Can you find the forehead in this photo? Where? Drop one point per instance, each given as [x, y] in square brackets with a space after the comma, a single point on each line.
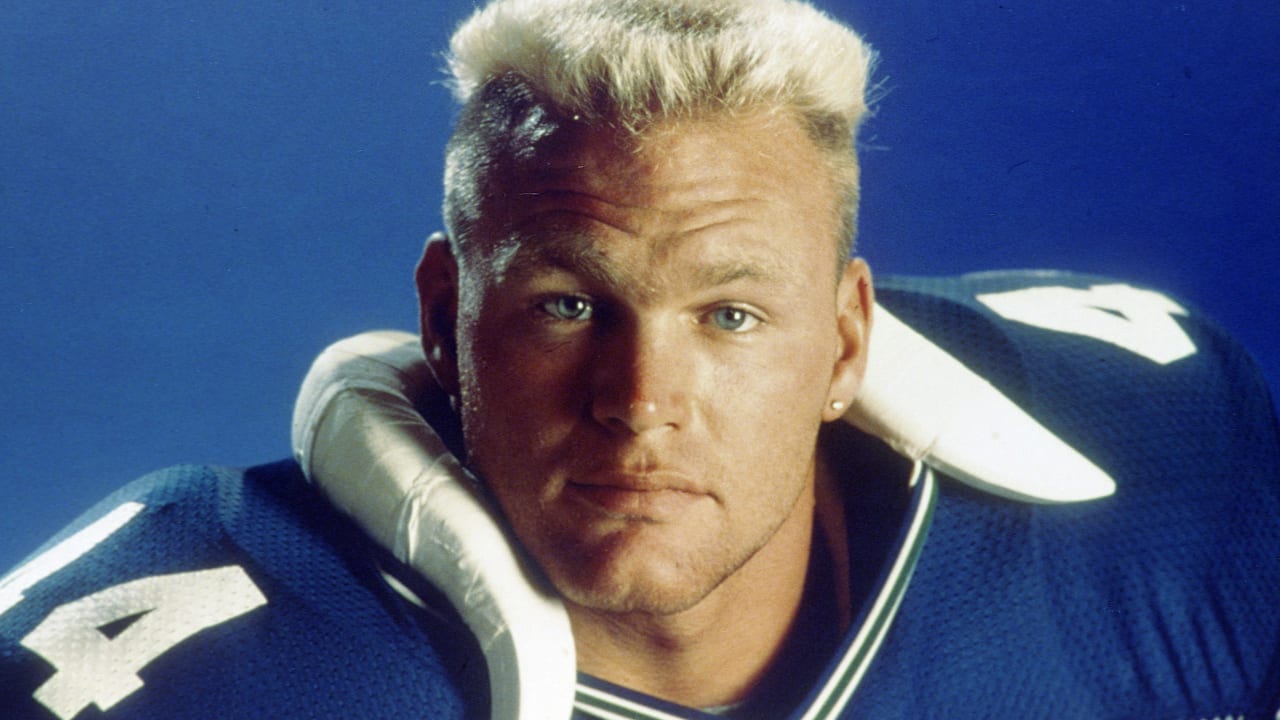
[730, 190]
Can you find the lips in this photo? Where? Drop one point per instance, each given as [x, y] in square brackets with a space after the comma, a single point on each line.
[648, 496]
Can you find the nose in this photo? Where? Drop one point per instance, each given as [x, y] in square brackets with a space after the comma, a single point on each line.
[642, 379]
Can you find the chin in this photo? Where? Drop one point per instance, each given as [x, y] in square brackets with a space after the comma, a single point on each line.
[622, 578]
[632, 598]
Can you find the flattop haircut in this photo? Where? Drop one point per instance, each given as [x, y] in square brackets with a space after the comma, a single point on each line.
[629, 64]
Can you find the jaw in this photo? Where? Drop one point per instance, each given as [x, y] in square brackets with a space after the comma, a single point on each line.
[655, 635]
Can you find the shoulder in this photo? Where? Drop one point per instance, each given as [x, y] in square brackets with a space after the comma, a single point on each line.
[1033, 321]
[196, 585]
[1129, 376]
[1157, 601]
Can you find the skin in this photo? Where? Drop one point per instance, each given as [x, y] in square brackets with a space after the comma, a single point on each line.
[644, 340]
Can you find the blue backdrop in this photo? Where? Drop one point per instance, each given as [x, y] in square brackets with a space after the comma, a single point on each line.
[195, 198]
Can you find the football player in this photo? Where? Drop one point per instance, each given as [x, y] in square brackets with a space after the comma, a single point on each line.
[661, 451]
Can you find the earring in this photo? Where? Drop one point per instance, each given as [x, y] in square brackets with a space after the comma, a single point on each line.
[837, 405]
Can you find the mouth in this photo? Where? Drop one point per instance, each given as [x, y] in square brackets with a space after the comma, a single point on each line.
[650, 496]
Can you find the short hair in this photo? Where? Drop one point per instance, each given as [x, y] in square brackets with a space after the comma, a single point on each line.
[629, 64]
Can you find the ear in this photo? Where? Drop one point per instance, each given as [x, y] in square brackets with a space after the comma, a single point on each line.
[437, 281]
[854, 301]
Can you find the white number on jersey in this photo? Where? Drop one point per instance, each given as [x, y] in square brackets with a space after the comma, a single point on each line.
[1140, 321]
[94, 668]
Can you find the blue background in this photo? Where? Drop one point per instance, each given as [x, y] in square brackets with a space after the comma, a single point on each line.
[195, 198]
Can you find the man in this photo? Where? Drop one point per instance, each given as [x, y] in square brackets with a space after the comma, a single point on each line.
[655, 281]
[644, 322]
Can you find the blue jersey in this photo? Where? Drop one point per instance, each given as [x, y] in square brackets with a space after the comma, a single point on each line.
[199, 592]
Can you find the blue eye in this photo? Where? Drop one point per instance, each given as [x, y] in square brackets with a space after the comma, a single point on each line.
[733, 319]
[568, 307]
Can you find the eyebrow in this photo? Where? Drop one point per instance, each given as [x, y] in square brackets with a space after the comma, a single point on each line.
[575, 253]
[568, 251]
[730, 272]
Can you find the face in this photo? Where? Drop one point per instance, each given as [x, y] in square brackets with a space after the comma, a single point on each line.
[648, 336]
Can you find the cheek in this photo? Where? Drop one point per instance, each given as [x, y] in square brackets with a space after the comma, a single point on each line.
[766, 412]
[788, 377]
[514, 397]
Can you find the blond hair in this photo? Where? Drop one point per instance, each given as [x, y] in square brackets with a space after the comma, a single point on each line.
[632, 63]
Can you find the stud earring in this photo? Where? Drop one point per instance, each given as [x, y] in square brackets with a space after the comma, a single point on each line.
[837, 405]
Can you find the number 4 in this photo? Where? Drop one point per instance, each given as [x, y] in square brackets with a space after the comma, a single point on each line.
[94, 668]
[1140, 321]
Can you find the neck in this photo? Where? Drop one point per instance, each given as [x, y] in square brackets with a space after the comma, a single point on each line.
[715, 652]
